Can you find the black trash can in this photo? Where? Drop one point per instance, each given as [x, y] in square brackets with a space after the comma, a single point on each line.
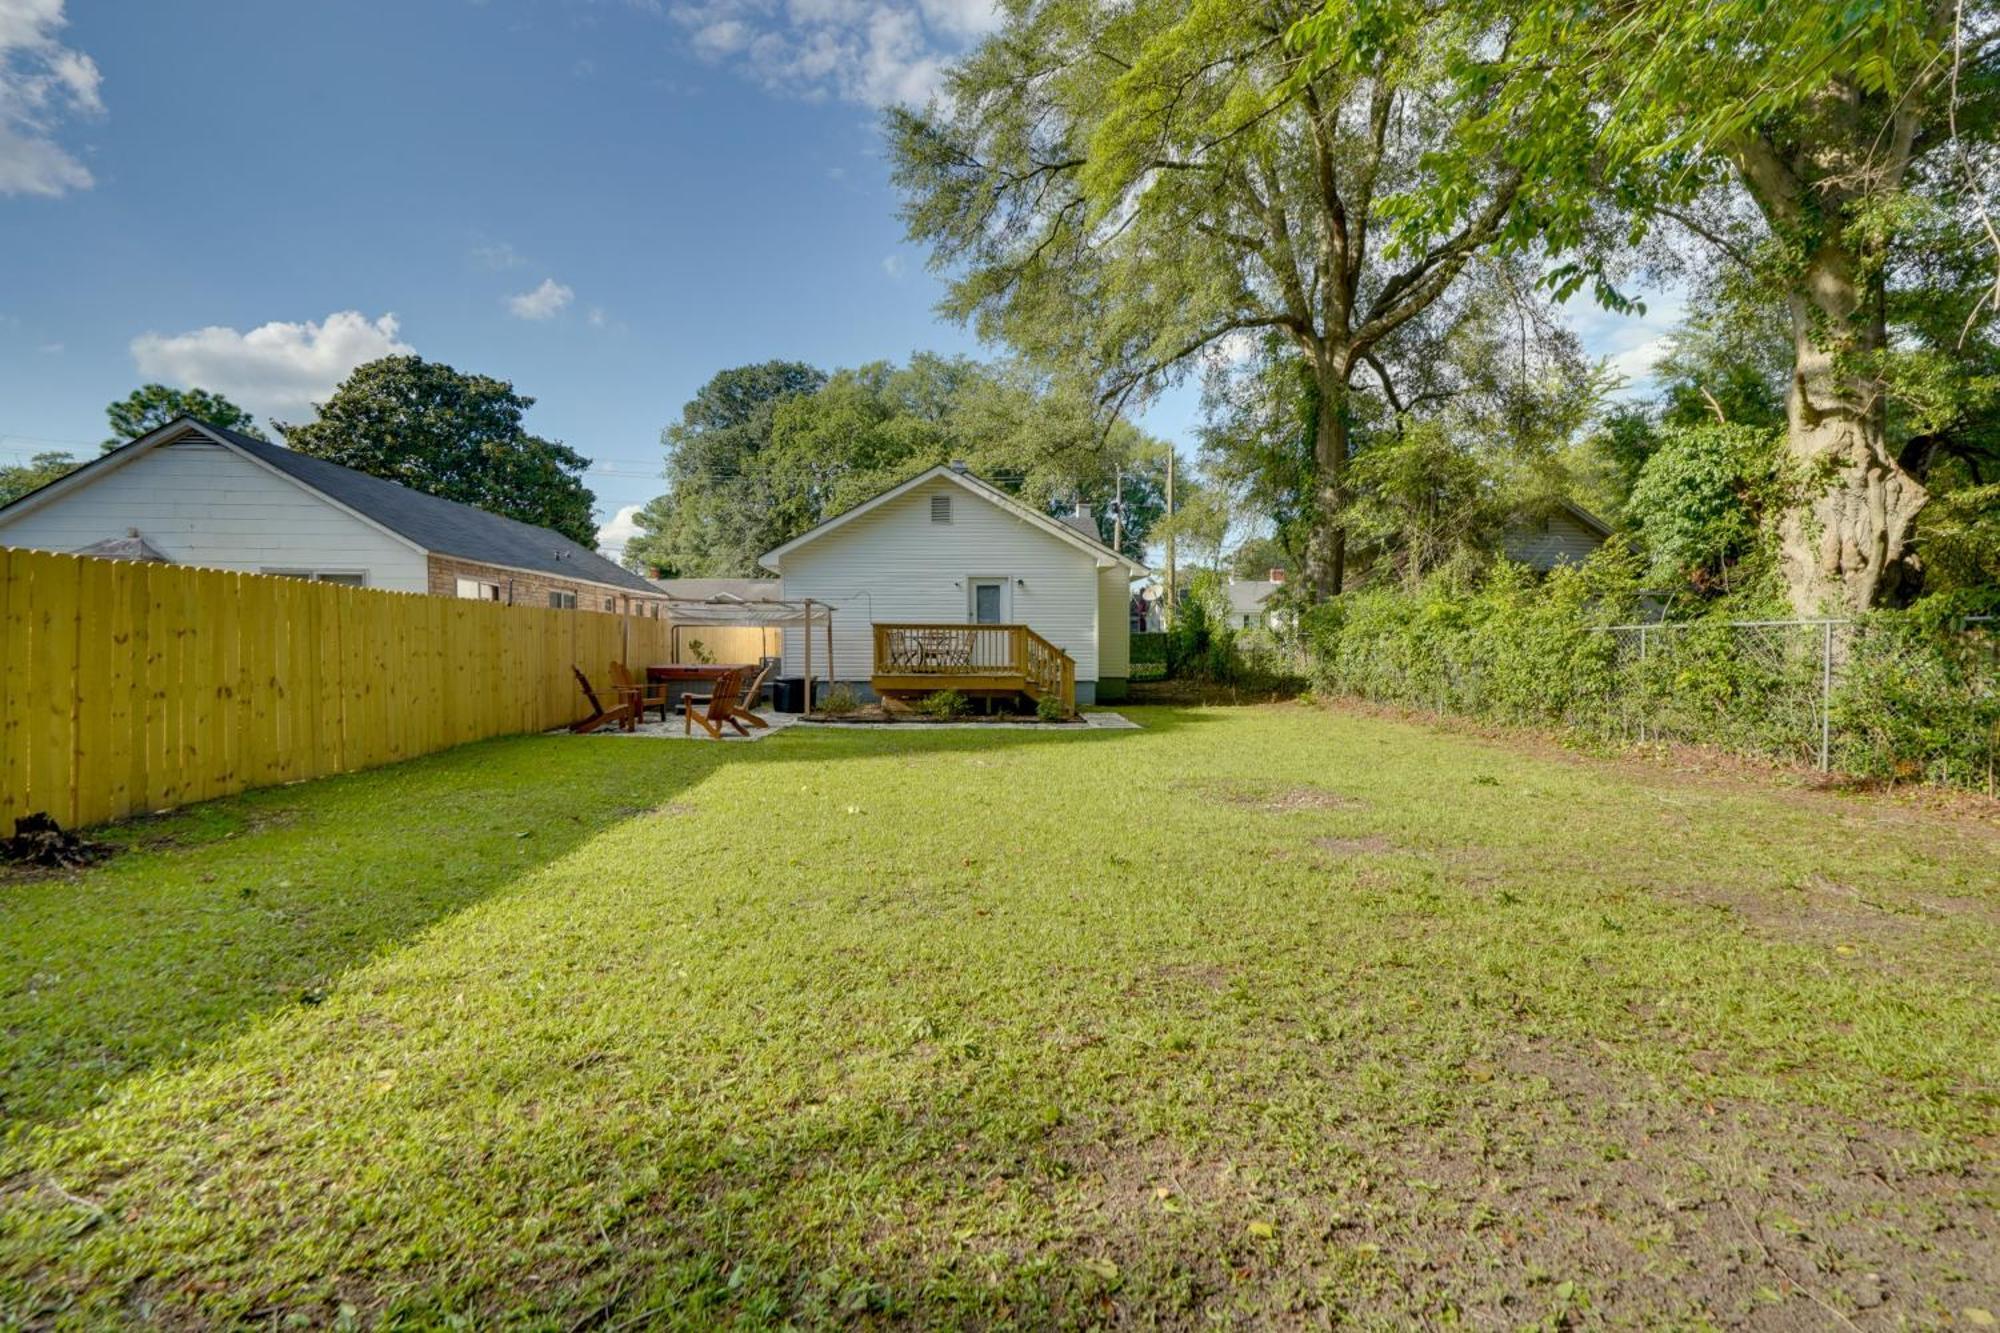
[788, 694]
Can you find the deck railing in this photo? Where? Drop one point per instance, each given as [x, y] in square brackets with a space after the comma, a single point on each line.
[979, 656]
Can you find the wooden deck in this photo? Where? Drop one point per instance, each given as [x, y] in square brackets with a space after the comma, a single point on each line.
[991, 660]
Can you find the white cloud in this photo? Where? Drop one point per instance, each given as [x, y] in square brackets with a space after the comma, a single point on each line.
[893, 266]
[622, 528]
[42, 84]
[874, 52]
[541, 303]
[598, 319]
[1629, 345]
[497, 254]
[275, 369]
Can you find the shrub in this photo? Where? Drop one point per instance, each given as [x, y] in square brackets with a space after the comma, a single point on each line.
[839, 699]
[944, 704]
[1916, 694]
[1049, 709]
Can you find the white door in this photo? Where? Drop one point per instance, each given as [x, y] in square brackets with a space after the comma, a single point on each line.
[988, 598]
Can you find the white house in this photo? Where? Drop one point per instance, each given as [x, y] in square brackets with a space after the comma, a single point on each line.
[946, 548]
[194, 494]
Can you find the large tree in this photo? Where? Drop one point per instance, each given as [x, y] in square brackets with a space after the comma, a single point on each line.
[1863, 136]
[1137, 189]
[765, 452]
[715, 519]
[151, 406]
[450, 434]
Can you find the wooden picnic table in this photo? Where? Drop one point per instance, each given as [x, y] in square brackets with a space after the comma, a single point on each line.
[706, 673]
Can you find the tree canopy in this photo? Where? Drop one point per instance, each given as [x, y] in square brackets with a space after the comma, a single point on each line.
[151, 406]
[766, 452]
[18, 479]
[450, 434]
[1140, 191]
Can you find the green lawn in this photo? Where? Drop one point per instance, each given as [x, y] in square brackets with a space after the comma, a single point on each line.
[1255, 1015]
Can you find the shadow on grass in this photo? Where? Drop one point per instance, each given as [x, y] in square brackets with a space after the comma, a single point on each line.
[216, 914]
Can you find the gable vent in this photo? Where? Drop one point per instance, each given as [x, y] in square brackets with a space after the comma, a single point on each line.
[940, 509]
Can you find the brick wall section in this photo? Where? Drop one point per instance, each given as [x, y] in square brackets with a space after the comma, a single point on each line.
[522, 589]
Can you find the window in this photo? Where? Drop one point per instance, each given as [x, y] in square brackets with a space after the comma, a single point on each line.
[352, 578]
[478, 590]
[611, 604]
[563, 601]
[940, 509]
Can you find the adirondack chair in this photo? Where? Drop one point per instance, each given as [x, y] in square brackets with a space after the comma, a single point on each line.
[745, 706]
[640, 694]
[717, 709]
[600, 716]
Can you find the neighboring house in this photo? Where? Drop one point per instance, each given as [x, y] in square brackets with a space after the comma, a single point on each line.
[1249, 603]
[194, 494]
[1566, 534]
[945, 547]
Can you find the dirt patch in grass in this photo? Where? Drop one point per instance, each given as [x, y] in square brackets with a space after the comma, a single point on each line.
[1282, 800]
[1584, 1197]
[1824, 912]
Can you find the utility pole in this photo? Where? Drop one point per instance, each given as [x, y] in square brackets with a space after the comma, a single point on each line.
[1118, 510]
[1170, 537]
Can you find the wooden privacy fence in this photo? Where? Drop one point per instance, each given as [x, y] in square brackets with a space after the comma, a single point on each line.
[128, 687]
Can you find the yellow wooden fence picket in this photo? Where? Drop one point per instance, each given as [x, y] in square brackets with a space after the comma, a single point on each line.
[127, 687]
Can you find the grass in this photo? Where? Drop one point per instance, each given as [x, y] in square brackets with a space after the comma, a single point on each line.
[1255, 1015]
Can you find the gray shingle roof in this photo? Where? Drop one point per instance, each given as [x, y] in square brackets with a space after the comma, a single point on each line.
[443, 527]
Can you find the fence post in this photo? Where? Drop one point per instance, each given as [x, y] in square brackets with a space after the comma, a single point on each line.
[1643, 705]
[1826, 697]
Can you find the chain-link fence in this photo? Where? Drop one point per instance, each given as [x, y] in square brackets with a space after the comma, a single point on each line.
[1897, 695]
[1895, 700]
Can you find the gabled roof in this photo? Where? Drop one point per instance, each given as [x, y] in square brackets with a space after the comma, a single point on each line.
[1104, 556]
[132, 546]
[426, 522]
[1247, 596]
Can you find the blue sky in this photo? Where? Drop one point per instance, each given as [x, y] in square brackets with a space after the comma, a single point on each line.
[605, 201]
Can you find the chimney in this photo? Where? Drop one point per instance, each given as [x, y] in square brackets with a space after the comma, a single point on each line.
[1277, 575]
[958, 466]
[1083, 511]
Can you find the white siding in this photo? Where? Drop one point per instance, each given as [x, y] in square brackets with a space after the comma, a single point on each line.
[894, 564]
[1114, 623]
[1561, 540]
[202, 504]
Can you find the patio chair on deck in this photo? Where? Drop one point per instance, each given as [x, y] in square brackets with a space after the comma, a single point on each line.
[600, 716]
[640, 694]
[713, 711]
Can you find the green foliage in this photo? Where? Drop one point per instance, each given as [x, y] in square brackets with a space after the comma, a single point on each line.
[1916, 694]
[766, 452]
[1050, 709]
[1150, 646]
[1201, 643]
[37, 472]
[715, 519]
[1698, 499]
[838, 700]
[151, 406]
[454, 435]
[943, 705]
[1140, 192]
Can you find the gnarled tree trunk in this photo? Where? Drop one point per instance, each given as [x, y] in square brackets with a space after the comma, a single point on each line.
[1845, 545]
